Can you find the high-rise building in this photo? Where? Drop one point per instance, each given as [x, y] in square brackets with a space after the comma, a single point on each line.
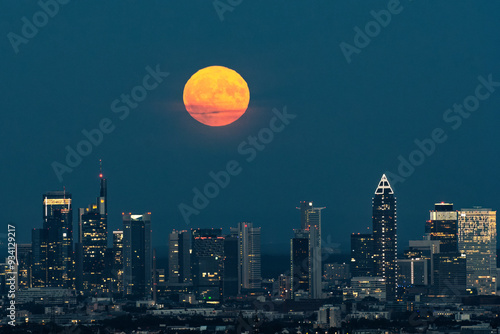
[449, 275]
[137, 255]
[443, 226]
[39, 256]
[93, 241]
[448, 265]
[385, 243]
[117, 267]
[310, 219]
[232, 268]
[361, 254]
[57, 241]
[179, 261]
[477, 235]
[173, 257]
[24, 266]
[300, 264]
[208, 264]
[249, 265]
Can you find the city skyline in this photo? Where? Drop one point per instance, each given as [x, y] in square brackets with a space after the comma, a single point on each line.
[161, 241]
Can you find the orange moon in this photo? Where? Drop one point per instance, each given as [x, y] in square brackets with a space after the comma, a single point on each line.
[216, 96]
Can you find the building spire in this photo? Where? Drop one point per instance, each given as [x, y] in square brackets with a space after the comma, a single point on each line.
[104, 190]
[384, 187]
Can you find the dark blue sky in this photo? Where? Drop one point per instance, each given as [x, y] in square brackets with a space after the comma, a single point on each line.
[352, 121]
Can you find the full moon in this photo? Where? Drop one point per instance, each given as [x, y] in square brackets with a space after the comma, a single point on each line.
[216, 96]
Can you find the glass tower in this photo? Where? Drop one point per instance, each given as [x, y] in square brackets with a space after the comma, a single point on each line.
[477, 235]
[385, 244]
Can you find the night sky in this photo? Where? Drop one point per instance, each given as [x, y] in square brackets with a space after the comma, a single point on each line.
[352, 120]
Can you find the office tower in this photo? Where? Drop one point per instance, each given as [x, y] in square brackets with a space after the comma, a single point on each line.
[300, 264]
[449, 275]
[207, 264]
[232, 267]
[137, 255]
[117, 271]
[179, 261]
[310, 219]
[477, 235]
[173, 257]
[58, 239]
[385, 244]
[448, 266]
[249, 267]
[443, 226]
[92, 242]
[361, 254]
[24, 266]
[39, 255]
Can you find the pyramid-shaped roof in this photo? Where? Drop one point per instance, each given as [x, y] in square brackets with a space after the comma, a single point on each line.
[384, 187]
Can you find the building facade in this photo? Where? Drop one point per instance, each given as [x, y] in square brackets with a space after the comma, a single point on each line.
[310, 220]
[52, 245]
[385, 244]
[249, 263]
[207, 264]
[477, 234]
[362, 263]
[137, 255]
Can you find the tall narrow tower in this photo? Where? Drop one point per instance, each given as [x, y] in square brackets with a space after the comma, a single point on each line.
[58, 223]
[137, 255]
[249, 266]
[310, 219]
[92, 242]
[385, 244]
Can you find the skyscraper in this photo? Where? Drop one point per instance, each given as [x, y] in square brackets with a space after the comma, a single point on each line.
[477, 235]
[93, 241]
[173, 257]
[449, 275]
[39, 254]
[24, 256]
[231, 279]
[117, 270]
[361, 255]
[448, 266]
[179, 262]
[310, 219]
[137, 255]
[58, 240]
[443, 226]
[208, 264]
[299, 255]
[385, 244]
[249, 266]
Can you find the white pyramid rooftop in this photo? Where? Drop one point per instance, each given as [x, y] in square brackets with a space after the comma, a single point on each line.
[384, 187]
